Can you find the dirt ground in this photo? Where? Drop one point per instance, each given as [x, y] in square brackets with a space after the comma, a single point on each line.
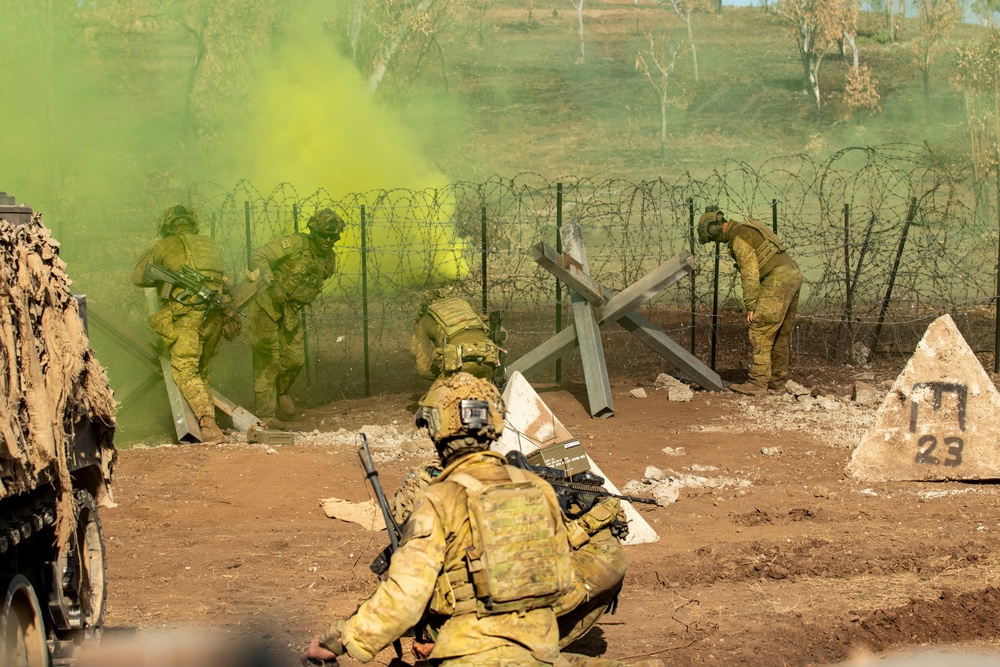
[781, 560]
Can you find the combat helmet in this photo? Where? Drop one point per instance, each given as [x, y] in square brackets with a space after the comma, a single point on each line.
[710, 225]
[175, 217]
[461, 412]
[326, 222]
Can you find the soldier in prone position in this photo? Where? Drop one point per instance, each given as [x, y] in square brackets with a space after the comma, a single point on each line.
[190, 330]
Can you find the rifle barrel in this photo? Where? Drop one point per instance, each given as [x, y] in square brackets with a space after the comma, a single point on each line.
[365, 454]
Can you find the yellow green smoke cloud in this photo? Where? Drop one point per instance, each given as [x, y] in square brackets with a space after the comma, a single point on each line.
[313, 123]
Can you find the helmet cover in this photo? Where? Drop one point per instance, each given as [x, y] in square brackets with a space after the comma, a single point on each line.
[326, 222]
[461, 405]
[175, 217]
[710, 225]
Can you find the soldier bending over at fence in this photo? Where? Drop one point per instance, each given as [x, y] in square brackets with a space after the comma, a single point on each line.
[771, 284]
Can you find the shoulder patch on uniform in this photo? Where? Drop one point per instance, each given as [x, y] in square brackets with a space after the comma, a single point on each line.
[420, 523]
[286, 243]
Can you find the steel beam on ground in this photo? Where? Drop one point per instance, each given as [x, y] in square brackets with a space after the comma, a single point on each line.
[588, 331]
[666, 347]
[185, 422]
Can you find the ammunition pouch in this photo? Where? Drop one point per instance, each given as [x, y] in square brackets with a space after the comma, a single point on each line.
[450, 358]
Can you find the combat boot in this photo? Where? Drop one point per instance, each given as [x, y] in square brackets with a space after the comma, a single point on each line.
[210, 431]
[749, 388]
[286, 407]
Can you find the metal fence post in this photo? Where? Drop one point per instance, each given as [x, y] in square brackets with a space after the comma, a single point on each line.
[847, 252]
[715, 307]
[303, 318]
[892, 276]
[996, 348]
[246, 218]
[483, 238]
[774, 215]
[559, 209]
[364, 296]
[694, 293]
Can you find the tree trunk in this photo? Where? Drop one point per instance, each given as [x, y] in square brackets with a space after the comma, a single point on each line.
[355, 14]
[814, 78]
[663, 123]
[849, 39]
[694, 51]
[579, 18]
[391, 51]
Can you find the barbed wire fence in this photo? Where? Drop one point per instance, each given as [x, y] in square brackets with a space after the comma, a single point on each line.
[860, 223]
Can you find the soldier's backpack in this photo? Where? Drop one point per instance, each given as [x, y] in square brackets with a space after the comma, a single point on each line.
[520, 559]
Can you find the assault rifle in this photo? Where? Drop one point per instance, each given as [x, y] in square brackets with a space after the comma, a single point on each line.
[577, 494]
[381, 562]
[195, 290]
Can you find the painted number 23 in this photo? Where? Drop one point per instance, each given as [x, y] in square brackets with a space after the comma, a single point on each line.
[928, 443]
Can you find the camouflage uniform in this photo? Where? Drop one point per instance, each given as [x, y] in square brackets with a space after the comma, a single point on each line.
[598, 565]
[449, 337]
[297, 268]
[771, 284]
[430, 572]
[189, 332]
[482, 557]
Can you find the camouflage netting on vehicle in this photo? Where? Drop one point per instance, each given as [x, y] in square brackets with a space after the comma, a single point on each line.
[50, 380]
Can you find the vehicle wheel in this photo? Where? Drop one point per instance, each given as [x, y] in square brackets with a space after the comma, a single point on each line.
[79, 584]
[23, 630]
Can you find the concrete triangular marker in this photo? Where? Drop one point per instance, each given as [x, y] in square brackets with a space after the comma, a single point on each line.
[939, 420]
[531, 424]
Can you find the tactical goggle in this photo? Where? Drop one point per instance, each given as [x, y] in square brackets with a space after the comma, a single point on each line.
[328, 236]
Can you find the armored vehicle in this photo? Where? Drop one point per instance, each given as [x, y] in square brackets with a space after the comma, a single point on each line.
[56, 453]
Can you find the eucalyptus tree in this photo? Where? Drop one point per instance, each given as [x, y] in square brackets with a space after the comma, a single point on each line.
[818, 26]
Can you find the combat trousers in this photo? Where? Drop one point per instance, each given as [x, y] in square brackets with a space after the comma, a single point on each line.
[599, 570]
[772, 326]
[278, 356]
[194, 343]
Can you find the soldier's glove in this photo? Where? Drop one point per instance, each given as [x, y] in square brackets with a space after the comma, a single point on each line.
[331, 639]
